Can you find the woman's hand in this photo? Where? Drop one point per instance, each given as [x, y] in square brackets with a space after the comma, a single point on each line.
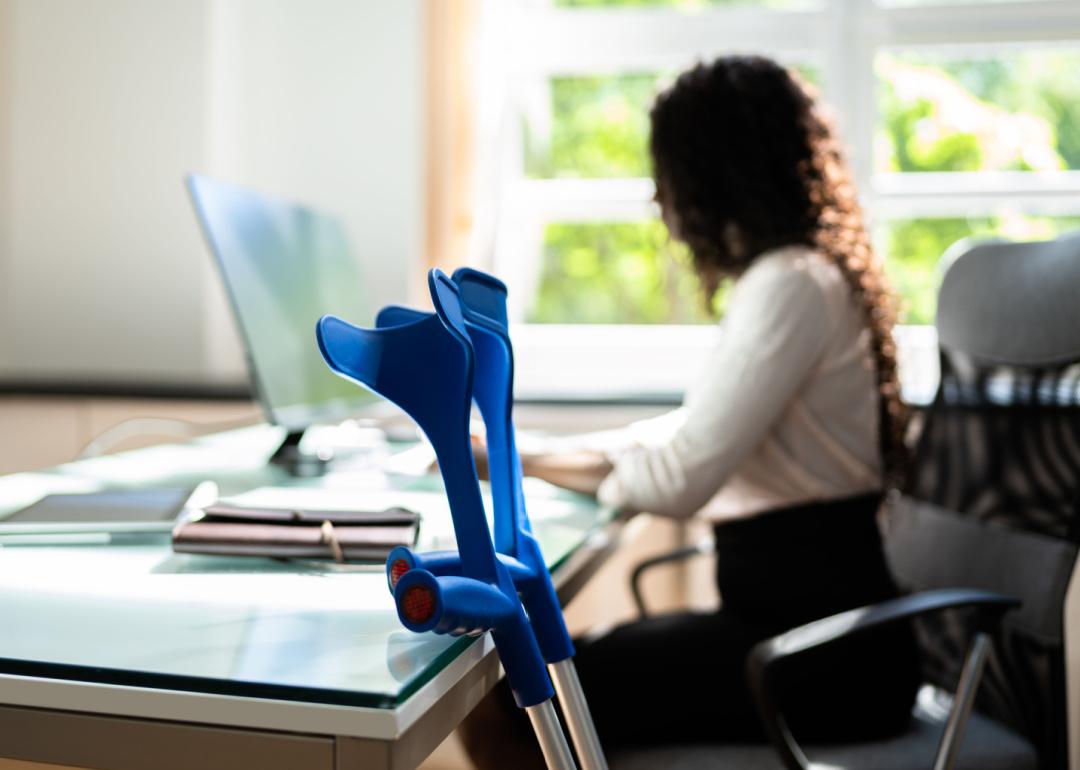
[480, 457]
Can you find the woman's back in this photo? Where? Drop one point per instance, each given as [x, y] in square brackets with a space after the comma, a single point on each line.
[784, 412]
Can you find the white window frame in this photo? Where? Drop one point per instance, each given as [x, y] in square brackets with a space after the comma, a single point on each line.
[842, 37]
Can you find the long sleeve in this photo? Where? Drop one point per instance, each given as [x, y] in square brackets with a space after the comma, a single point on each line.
[774, 333]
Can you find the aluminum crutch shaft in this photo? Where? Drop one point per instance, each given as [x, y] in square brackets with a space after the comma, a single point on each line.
[549, 734]
[578, 717]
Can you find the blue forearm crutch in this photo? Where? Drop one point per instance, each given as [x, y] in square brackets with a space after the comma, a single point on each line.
[426, 367]
[484, 306]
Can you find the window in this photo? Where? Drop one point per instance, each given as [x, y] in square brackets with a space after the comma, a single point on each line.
[972, 140]
[959, 124]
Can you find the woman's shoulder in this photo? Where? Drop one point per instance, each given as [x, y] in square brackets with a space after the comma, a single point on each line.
[795, 271]
[797, 284]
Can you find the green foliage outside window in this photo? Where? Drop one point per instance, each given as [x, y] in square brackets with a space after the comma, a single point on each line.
[621, 272]
[600, 128]
[1017, 112]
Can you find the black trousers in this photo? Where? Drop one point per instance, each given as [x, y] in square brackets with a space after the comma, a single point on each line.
[680, 678]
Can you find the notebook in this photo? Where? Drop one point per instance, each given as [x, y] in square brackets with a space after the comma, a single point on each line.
[297, 533]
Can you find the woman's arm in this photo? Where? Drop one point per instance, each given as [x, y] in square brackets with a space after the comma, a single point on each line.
[578, 471]
[579, 462]
[773, 335]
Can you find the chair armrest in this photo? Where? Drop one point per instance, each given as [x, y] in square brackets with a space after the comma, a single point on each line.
[844, 625]
[679, 554]
[762, 663]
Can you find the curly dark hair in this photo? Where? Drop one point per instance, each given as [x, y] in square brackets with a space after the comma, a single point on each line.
[744, 162]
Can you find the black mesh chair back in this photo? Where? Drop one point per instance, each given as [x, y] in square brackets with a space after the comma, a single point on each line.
[993, 497]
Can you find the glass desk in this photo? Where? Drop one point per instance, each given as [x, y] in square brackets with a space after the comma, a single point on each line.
[310, 649]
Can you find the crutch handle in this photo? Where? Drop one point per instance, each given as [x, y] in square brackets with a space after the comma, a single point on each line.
[403, 559]
[453, 605]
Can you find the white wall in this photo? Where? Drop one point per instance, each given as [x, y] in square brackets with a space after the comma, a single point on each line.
[5, 174]
[106, 104]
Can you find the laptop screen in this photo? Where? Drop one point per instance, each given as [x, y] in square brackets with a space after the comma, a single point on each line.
[284, 266]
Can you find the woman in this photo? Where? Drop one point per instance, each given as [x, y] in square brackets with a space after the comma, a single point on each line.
[785, 443]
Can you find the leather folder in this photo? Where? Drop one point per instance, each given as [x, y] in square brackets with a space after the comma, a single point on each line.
[288, 533]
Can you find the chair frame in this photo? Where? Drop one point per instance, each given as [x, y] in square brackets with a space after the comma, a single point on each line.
[766, 661]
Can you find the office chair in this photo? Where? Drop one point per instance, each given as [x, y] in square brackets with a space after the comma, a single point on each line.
[991, 505]
[997, 474]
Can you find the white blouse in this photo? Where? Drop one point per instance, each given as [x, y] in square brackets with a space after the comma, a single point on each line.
[785, 411]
